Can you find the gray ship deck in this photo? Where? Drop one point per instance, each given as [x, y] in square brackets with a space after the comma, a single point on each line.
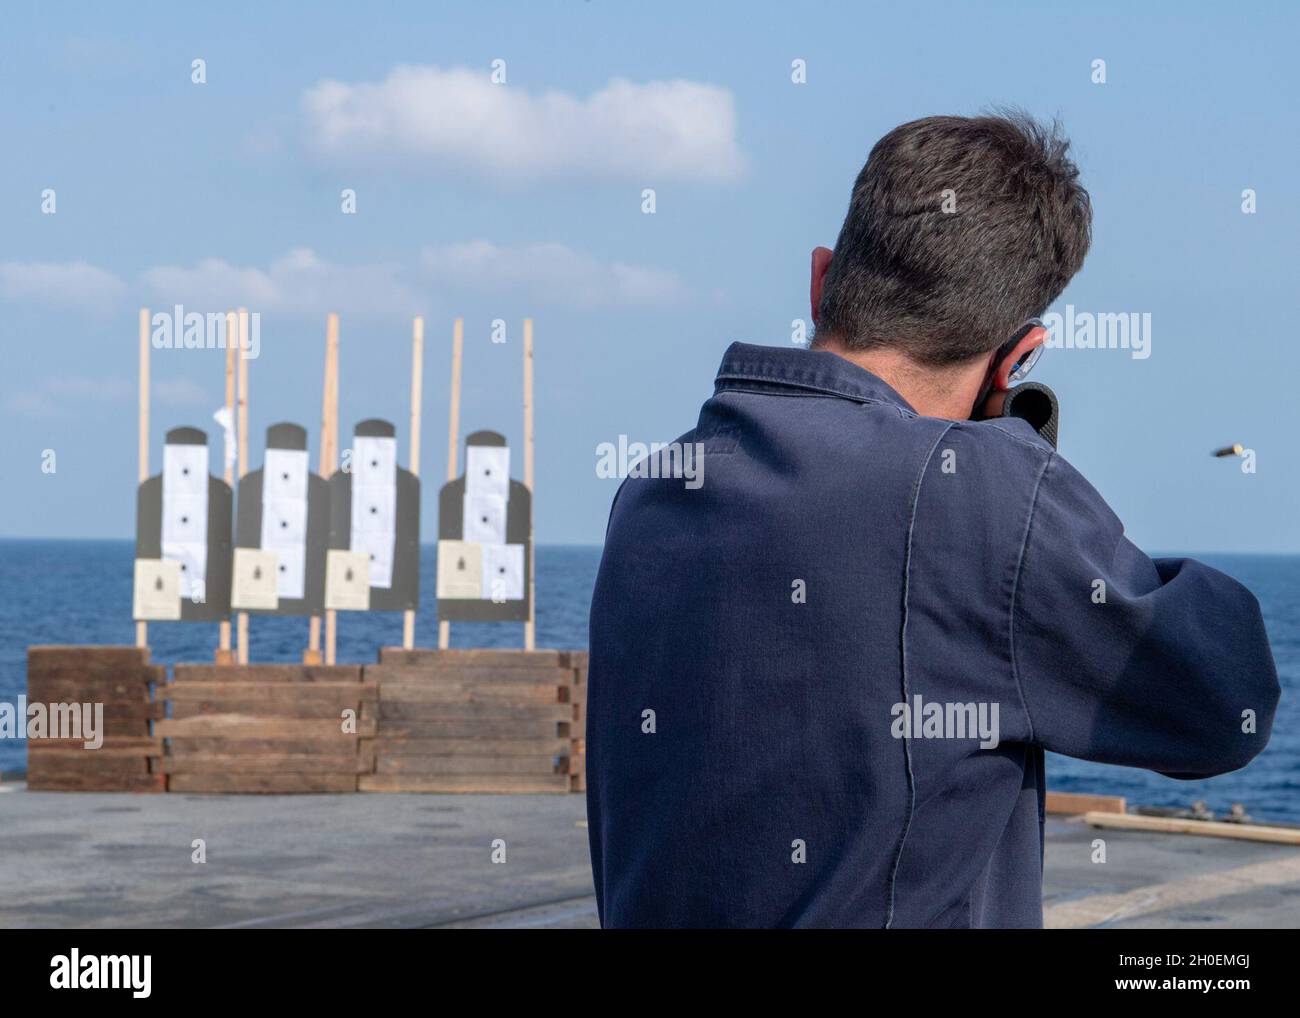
[118, 860]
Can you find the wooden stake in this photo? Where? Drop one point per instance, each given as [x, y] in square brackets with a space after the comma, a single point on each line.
[417, 386]
[329, 420]
[328, 454]
[453, 439]
[530, 627]
[142, 628]
[232, 335]
[241, 628]
[329, 460]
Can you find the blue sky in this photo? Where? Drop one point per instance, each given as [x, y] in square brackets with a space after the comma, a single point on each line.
[229, 191]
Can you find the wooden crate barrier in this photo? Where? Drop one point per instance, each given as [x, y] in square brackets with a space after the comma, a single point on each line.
[120, 679]
[265, 728]
[476, 721]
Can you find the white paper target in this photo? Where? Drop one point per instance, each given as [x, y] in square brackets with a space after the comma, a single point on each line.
[185, 470]
[284, 518]
[487, 470]
[503, 572]
[254, 583]
[484, 519]
[374, 505]
[284, 474]
[460, 570]
[346, 584]
[185, 515]
[157, 591]
[374, 461]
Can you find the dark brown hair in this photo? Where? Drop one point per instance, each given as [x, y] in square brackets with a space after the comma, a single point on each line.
[959, 228]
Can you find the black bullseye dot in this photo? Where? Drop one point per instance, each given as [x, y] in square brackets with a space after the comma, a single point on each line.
[284, 524]
[374, 510]
[282, 569]
[285, 476]
[484, 519]
[374, 463]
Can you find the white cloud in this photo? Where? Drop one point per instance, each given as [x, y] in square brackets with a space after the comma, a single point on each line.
[59, 283]
[300, 284]
[550, 274]
[55, 396]
[425, 116]
[181, 392]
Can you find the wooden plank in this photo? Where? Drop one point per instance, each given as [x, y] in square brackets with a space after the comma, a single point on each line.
[85, 782]
[381, 744]
[136, 712]
[469, 674]
[423, 657]
[255, 726]
[337, 744]
[86, 656]
[446, 691]
[266, 673]
[480, 765]
[1072, 803]
[71, 763]
[504, 784]
[1205, 828]
[114, 745]
[456, 711]
[267, 784]
[73, 691]
[94, 677]
[182, 709]
[470, 729]
[116, 727]
[262, 763]
[343, 694]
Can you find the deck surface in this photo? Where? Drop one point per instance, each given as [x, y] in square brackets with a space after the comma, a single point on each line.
[121, 860]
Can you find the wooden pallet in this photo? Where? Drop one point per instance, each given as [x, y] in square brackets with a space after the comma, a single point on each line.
[476, 721]
[120, 678]
[264, 728]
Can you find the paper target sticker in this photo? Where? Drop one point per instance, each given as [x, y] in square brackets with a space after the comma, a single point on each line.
[503, 572]
[484, 519]
[157, 590]
[487, 470]
[347, 581]
[460, 570]
[255, 586]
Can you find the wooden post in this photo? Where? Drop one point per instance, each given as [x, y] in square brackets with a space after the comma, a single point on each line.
[329, 458]
[328, 452]
[224, 656]
[453, 439]
[241, 622]
[417, 386]
[530, 627]
[142, 628]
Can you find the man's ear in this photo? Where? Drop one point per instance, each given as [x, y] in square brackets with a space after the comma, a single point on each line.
[1033, 339]
[821, 261]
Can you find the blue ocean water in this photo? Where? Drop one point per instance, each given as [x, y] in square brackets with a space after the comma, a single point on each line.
[80, 592]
